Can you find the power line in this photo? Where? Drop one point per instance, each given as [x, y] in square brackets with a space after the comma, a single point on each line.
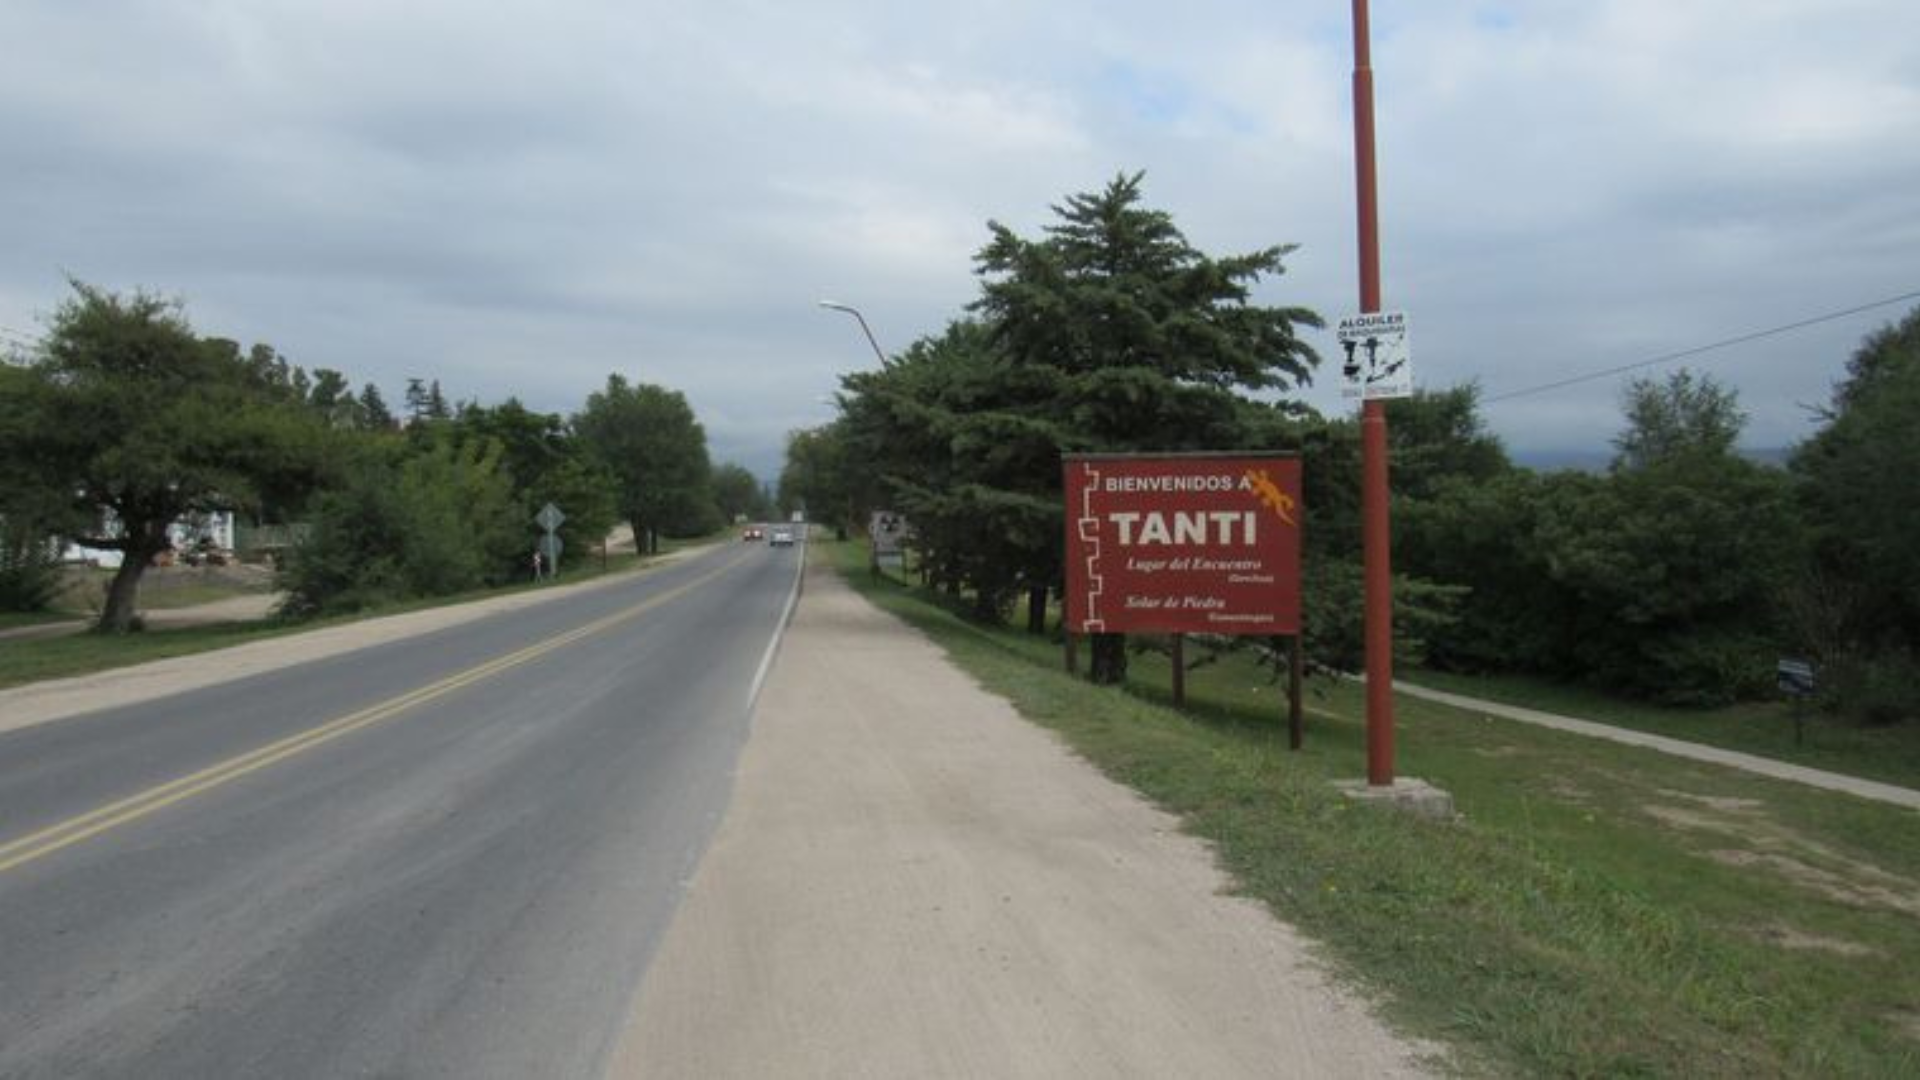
[1667, 358]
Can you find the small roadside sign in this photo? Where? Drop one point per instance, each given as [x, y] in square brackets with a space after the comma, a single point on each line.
[888, 532]
[1377, 360]
[550, 517]
[550, 547]
[1795, 677]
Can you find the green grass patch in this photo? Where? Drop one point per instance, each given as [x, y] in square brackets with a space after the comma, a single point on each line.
[10, 620]
[1598, 910]
[1890, 754]
[84, 653]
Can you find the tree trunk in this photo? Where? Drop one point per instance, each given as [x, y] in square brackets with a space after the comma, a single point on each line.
[1108, 664]
[1037, 610]
[123, 593]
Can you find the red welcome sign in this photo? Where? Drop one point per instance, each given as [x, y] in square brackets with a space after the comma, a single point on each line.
[1183, 543]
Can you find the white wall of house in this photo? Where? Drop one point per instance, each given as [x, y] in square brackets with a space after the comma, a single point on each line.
[185, 533]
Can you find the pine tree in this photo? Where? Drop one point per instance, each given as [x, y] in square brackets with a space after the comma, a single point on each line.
[436, 407]
[416, 400]
[1112, 333]
[374, 413]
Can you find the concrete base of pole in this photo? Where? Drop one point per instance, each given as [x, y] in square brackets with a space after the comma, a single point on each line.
[1416, 797]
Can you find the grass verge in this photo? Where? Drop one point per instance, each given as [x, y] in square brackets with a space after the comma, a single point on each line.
[1598, 910]
[36, 659]
[11, 620]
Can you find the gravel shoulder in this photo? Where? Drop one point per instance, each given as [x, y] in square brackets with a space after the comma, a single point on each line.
[912, 880]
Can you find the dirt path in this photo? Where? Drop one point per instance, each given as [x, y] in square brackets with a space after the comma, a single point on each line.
[1733, 759]
[913, 881]
[250, 608]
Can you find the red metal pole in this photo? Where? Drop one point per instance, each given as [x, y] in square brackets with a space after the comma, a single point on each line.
[1375, 534]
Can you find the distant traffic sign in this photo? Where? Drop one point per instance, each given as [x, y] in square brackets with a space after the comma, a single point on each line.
[550, 517]
[1795, 677]
[1379, 359]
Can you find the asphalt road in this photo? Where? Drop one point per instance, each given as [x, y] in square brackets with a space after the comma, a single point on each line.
[447, 856]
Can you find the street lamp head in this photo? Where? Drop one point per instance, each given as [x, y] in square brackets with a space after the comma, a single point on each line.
[834, 305]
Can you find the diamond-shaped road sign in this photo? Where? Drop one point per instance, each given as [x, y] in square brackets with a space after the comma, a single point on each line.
[549, 517]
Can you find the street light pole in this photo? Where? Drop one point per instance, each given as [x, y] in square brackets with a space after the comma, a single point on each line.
[855, 312]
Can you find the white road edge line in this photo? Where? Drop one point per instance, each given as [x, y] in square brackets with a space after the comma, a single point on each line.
[779, 631]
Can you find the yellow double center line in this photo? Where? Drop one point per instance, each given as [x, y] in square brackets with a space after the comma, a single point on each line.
[134, 807]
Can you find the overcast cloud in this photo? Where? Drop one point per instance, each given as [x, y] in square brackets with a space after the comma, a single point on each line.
[520, 198]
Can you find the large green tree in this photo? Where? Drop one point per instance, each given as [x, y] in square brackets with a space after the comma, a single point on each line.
[738, 494]
[648, 438]
[1683, 416]
[1109, 333]
[964, 447]
[134, 423]
[409, 519]
[1859, 606]
[31, 513]
[1661, 578]
[823, 477]
[545, 461]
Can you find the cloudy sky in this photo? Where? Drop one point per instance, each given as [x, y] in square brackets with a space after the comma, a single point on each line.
[519, 198]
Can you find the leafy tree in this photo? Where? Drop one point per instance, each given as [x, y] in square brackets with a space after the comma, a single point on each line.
[31, 514]
[136, 423]
[647, 437]
[1437, 443]
[1682, 416]
[737, 494]
[267, 372]
[1438, 437]
[545, 461]
[1672, 574]
[1859, 481]
[1660, 579]
[29, 566]
[408, 522]
[331, 399]
[823, 477]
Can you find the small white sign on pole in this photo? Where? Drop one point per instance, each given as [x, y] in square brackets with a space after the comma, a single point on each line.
[1376, 359]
